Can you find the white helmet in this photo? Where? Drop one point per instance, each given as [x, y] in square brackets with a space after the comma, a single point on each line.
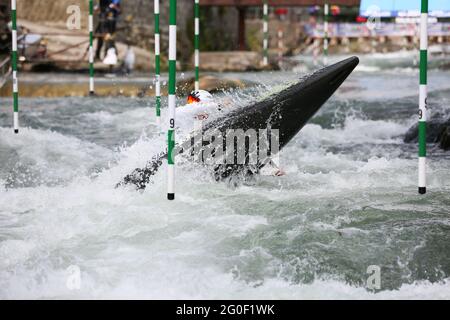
[199, 96]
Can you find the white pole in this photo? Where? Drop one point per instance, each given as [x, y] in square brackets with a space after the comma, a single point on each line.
[197, 44]
[325, 39]
[14, 67]
[423, 93]
[157, 66]
[266, 33]
[172, 100]
[91, 48]
[280, 46]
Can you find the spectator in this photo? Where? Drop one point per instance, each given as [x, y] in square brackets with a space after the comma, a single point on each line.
[108, 12]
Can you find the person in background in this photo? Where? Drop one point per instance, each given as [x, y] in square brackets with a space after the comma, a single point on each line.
[129, 61]
[113, 15]
[108, 12]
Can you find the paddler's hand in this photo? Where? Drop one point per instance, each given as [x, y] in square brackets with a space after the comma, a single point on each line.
[279, 173]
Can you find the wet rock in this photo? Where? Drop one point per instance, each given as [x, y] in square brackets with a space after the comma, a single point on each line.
[438, 131]
[445, 139]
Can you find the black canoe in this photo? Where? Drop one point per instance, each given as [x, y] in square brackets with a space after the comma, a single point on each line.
[288, 111]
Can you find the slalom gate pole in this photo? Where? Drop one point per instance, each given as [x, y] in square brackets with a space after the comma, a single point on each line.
[197, 44]
[157, 65]
[423, 96]
[316, 51]
[14, 67]
[91, 48]
[280, 46]
[266, 33]
[373, 40]
[172, 100]
[325, 39]
[416, 41]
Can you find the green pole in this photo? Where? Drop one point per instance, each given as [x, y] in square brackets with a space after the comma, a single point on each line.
[172, 99]
[91, 48]
[14, 67]
[325, 39]
[157, 65]
[197, 44]
[423, 96]
[266, 33]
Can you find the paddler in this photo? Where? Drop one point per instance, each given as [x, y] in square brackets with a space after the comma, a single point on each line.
[203, 96]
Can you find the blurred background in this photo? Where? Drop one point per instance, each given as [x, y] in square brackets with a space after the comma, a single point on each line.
[231, 31]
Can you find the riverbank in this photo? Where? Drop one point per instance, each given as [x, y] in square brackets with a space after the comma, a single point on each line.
[51, 85]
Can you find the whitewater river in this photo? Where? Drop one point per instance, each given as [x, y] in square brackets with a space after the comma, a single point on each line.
[348, 201]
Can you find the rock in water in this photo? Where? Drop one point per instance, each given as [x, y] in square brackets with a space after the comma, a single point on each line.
[438, 131]
[445, 138]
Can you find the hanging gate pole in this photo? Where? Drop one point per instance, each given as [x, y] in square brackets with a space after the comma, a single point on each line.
[266, 33]
[157, 65]
[91, 48]
[14, 67]
[197, 44]
[172, 100]
[423, 96]
[325, 39]
[280, 46]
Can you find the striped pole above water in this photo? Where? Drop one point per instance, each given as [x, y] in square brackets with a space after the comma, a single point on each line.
[197, 44]
[157, 65]
[325, 28]
[266, 33]
[280, 46]
[172, 99]
[91, 48]
[423, 96]
[14, 67]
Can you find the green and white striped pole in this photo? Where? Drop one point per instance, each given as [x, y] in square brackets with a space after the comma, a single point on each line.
[266, 33]
[423, 96]
[280, 46]
[197, 44]
[172, 99]
[325, 28]
[91, 48]
[157, 65]
[14, 67]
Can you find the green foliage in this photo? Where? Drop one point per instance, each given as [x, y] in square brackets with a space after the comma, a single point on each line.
[214, 32]
[254, 39]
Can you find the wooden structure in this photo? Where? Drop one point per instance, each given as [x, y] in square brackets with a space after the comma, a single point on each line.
[284, 3]
[241, 6]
